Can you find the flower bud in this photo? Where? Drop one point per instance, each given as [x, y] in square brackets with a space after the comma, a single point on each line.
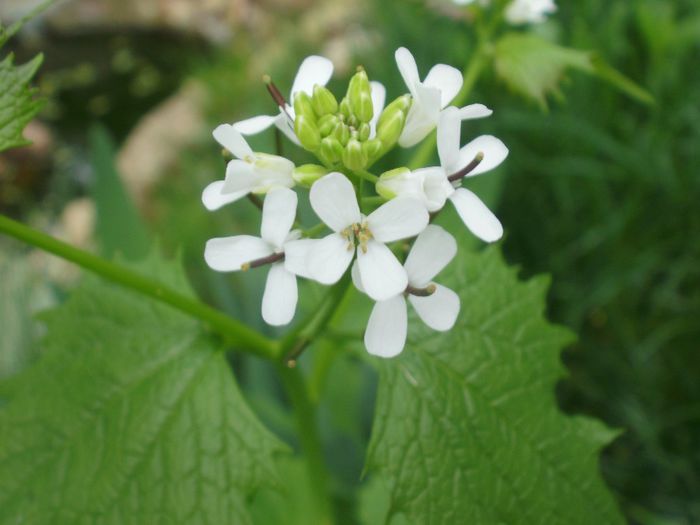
[323, 101]
[360, 96]
[307, 132]
[331, 150]
[363, 132]
[344, 108]
[327, 124]
[399, 181]
[372, 149]
[392, 121]
[307, 174]
[303, 106]
[354, 157]
[341, 133]
[402, 103]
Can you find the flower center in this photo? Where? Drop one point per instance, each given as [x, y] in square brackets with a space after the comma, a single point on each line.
[357, 235]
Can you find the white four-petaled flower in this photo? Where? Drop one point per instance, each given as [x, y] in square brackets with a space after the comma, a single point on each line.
[388, 323]
[430, 97]
[334, 201]
[230, 254]
[248, 172]
[432, 185]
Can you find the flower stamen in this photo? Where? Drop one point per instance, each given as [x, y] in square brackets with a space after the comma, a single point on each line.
[455, 177]
[421, 292]
[270, 259]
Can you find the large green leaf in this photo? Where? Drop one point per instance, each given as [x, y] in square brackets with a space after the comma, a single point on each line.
[131, 416]
[467, 428]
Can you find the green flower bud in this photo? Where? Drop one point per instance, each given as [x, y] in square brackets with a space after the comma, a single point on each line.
[363, 132]
[303, 106]
[332, 150]
[307, 132]
[344, 108]
[402, 103]
[395, 182]
[372, 149]
[342, 133]
[327, 124]
[360, 96]
[391, 123]
[354, 157]
[307, 174]
[323, 101]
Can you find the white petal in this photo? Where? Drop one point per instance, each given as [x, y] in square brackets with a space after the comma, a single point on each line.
[378, 100]
[448, 138]
[422, 117]
[232, 140]
[431, 252]
[436, 188]
[313, 70]
[407, 68]
[439, 310]
[279, 211]
[476, 216]
[254, 125]
[296, 256]
[279, 300]
[447, 79]
[495, 152]
[227, 254]
[474, 111]
[329, 258]
[240, 177]
[334, 201]
[356, 277]
[213, 199]
[272, 171]
[399, 218]
[381, 273]
[387, 327]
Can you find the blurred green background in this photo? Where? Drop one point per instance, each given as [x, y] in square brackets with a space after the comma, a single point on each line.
[599, 190]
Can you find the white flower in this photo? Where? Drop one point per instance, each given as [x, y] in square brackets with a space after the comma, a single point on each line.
[529, 11]
[387, 327]
[230, 254]
[334, 201]
[432, 185]
[313, 70]
[440, 86]
[248, 172]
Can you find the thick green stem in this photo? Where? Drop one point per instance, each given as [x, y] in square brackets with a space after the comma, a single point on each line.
[310, 441]
[233, 331]
[471, 74]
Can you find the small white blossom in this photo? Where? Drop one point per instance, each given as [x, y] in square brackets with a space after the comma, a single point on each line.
[432, 185]
[521, 11]
[230, 254]
[430, 97]
[313, 70]
[248, 173]
[388, 324]
[334, 201]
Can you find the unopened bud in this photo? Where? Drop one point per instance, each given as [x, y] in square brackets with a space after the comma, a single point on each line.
[323, 101]
[391, 122]
[341, 133]
[354, 157]
[399, 181]
[332, 150]
[327, 124]
[372, 149]
[363, 132]
[307, 132]
[307, 174]
[303, 106]
[344, 108]
[360, 96]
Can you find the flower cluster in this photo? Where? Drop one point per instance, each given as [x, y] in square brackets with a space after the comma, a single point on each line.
[348, 137]
[521, 11]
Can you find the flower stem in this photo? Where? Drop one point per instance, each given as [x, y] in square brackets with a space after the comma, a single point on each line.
[366, 175]
[310, 441]
[233, 331]
[471, 74]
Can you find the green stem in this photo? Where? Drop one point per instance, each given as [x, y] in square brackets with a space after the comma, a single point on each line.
[366, 175]
[310, 441]
[471, 74]
[233, 331]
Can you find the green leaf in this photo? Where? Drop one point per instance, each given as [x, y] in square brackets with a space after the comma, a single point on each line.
[534, 68]
[467, 428]
[18, 104]
[131, 416]
[120, 229]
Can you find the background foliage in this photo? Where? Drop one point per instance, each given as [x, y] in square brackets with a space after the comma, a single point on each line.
[600, 191]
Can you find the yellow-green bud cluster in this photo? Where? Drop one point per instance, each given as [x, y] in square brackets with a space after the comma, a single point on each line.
[339, 133]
